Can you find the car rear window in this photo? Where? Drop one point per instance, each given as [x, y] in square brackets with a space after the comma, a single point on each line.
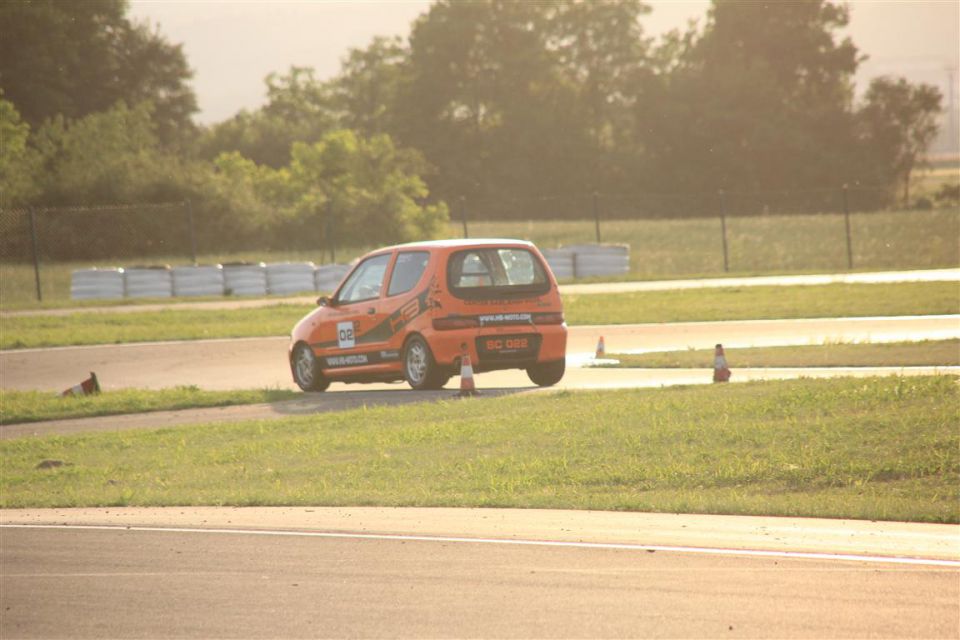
[474, 273]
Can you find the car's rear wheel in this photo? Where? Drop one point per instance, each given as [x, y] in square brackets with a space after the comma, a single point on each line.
[547, 374]
[306, 369]
[419, 367]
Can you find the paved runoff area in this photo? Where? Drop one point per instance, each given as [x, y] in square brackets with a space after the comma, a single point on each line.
[364, 572]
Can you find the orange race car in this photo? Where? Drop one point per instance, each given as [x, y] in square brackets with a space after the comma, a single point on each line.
[412, 311]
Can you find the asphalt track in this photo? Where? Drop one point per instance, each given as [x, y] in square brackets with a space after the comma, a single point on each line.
[313, 572]
[262, 362]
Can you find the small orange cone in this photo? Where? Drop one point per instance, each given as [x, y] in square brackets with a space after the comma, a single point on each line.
[88, 387]
[601, 349]
[467, 387]
[720, 371]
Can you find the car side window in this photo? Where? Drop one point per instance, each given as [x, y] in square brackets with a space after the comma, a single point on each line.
[409, 267]
[365, 282]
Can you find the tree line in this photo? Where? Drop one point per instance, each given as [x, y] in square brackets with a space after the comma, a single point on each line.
[493, 103]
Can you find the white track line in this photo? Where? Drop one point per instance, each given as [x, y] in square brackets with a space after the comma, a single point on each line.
[505, 541]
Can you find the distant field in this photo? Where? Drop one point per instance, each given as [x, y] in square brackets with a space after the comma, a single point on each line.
[659, 248]
[865, 448]
[731, 303]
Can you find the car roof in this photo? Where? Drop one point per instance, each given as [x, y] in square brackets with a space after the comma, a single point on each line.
[458, 243]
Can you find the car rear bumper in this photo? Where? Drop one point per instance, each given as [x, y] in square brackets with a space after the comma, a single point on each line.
[449, 346]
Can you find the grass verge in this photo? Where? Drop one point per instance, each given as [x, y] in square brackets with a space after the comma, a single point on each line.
[874, 448]
[33, 406]
[930, 353]
[763, 303]
[746, 303]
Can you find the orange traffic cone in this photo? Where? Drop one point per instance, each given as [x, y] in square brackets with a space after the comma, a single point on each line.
[467, 387]
[601, 349]
[88, 387]
[720, 371]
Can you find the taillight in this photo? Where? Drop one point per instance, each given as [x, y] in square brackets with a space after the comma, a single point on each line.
[548, 318]
[455, 322]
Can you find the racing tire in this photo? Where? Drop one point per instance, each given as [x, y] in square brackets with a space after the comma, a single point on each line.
[306, 369]
[547, 374]
[419, 368]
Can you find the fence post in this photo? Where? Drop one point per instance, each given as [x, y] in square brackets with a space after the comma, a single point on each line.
[193, 232]
[723, 230]
[846, 222]
[328, 232]
[596, 216]
[36, 253]
[463, 216]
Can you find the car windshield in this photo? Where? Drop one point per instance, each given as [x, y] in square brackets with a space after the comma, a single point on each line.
[499, 271]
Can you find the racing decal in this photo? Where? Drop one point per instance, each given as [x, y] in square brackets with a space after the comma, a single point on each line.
[407, 313]
[346, 333]
[396, 320]
[505, 318]
[501, 302]
[346, 338]
[360, 359]
[347, 361]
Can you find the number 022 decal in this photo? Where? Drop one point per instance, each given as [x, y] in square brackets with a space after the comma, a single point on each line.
[345, 335]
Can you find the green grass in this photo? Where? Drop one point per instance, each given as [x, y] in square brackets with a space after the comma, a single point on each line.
[877, 448]
[170, 324]
[894, 354]
[759, 303]
[33, 406]
[834, 300]
[659, 248]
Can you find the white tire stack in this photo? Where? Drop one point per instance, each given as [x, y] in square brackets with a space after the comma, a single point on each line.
[245, 279]
[327, 277]
[93, 284]
[148, 282]
[198, 281]
[284, 278]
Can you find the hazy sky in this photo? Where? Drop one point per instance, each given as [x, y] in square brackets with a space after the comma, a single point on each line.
[233, 45]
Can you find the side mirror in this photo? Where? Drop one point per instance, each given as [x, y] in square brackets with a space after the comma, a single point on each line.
[324, 301]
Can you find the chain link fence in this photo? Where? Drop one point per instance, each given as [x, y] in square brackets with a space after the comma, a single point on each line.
[668, 235]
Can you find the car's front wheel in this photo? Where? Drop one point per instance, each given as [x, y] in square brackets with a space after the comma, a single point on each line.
[419, 367]
[547, 374]
[306, 369]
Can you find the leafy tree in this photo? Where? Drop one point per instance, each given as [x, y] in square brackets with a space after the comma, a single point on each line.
[366, 91]
[344, 188]
[488, 105]
[105, 157]
[898, 121]
[602, 52]
[299, 109]
[18, 162]
[759, 100]
[72, 59]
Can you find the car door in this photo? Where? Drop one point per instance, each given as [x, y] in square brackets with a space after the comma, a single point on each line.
[350, 336]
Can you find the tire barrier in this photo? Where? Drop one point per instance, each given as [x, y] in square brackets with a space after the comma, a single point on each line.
[290, 277]
[237, 279]
[147, 282]
[586, 260]
[327, 277]
[245, 279]
[561, 262]
[92, 284]
[198, 281]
